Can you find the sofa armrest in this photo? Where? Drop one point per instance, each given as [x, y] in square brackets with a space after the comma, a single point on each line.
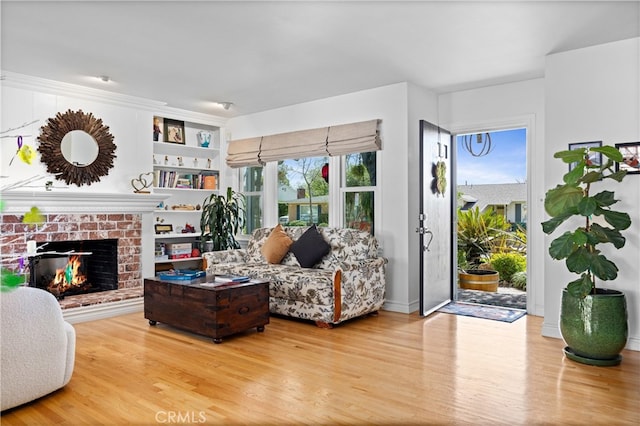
[71, 351]
[362, 287]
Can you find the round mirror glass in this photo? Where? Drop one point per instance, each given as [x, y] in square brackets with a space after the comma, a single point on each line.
[79, 148]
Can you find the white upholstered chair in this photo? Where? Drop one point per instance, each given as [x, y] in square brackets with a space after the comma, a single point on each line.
[37, 346]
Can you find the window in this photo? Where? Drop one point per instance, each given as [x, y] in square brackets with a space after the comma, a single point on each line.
[252, 186]
[303, 193]
[359, 190]
[306, 194]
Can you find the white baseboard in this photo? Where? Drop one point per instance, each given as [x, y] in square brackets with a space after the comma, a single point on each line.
[103, 310]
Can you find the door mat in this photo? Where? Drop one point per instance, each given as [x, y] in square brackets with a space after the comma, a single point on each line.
[483, 311]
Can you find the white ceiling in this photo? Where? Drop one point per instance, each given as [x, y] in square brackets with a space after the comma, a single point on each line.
[264, 55]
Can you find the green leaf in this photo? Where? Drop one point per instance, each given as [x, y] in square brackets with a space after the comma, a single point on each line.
[562, 200]
[609, 151]
[619, 220]
[552, 224]
[571, 156]
[587, 206]
[562, 246]
[580, 287]
[592, 177]
[603, 268]
[580, 237]
[618, 176]
[607, 235]
[605, 198]
[579, 261]
[574, 175]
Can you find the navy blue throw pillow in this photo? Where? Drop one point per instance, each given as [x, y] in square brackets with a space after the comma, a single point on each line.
[310, 248]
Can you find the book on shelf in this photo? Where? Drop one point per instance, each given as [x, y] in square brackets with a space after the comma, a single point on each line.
[173, 179]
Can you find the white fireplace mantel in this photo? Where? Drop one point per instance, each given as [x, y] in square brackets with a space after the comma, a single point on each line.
[18, 202]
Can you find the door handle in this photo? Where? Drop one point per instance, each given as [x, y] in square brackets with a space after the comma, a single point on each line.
[426, 248]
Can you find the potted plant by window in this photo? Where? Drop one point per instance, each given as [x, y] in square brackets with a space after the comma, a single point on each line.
[221, 220]
[478, 234]
[593, 320]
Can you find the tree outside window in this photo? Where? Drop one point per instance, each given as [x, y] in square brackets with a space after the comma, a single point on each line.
[303, 194]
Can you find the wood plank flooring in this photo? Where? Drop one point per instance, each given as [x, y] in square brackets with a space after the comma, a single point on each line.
[390, 369]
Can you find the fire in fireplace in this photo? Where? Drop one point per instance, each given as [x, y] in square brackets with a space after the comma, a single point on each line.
[76, 267]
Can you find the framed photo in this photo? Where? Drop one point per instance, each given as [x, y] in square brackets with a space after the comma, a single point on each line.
[158, 123]
[630, 157]
[174, 131]
[595, 157]
[162, 228]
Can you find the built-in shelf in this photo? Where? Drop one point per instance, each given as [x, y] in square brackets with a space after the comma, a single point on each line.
[177, 235]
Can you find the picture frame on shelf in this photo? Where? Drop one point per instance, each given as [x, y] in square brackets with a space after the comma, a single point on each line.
[158, 126]
[596, 158]
[630, 157]
[174, 131]
[163, 228]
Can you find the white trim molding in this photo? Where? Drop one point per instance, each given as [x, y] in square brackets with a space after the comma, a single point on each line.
[17, 202]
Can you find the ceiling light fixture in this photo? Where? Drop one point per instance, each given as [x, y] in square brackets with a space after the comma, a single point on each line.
[105, 78]
[225, 105]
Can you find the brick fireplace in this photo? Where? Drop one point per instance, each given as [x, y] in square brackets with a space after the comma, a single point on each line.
[126, 228]
[83, 217]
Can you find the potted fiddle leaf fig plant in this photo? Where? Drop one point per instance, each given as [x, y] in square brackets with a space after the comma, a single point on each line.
[593, 320]
[220, 221]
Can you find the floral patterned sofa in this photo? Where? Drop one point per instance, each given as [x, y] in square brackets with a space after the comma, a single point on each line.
[348, 282]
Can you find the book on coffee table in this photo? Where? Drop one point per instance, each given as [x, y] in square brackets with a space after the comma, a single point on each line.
[233, 278]
[181, 275]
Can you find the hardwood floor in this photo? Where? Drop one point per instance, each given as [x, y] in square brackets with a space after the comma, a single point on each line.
[390, 369]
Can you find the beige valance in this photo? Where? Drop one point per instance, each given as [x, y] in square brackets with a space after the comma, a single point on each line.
[333, 140]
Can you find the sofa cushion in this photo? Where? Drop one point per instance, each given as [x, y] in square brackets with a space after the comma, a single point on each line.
[277, 245]
[310, 248]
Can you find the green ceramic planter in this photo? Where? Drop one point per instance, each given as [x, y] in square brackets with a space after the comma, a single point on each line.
[594, 327]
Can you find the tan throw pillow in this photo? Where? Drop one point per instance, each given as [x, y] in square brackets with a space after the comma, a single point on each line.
[277, 245]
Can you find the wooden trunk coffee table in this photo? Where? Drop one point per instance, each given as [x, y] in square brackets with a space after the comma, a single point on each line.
[214, 309]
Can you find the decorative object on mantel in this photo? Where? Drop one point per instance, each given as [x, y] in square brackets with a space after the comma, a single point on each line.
[77, 147]
[141, 184]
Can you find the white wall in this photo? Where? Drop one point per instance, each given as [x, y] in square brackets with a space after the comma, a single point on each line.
[594, 94]
[390, 104]
[507, 106]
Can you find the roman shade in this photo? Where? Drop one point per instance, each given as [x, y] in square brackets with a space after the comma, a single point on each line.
[333, 140]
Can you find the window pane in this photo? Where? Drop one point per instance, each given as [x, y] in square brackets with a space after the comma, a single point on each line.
[359, 211]
[252, 179]
[303, 194]
[252, 190]
[361, 169]
[254, 213]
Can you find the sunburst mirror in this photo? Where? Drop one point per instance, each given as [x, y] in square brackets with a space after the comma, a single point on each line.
[77, 147]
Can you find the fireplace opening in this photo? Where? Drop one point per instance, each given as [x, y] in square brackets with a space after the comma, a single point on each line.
[76, 267]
